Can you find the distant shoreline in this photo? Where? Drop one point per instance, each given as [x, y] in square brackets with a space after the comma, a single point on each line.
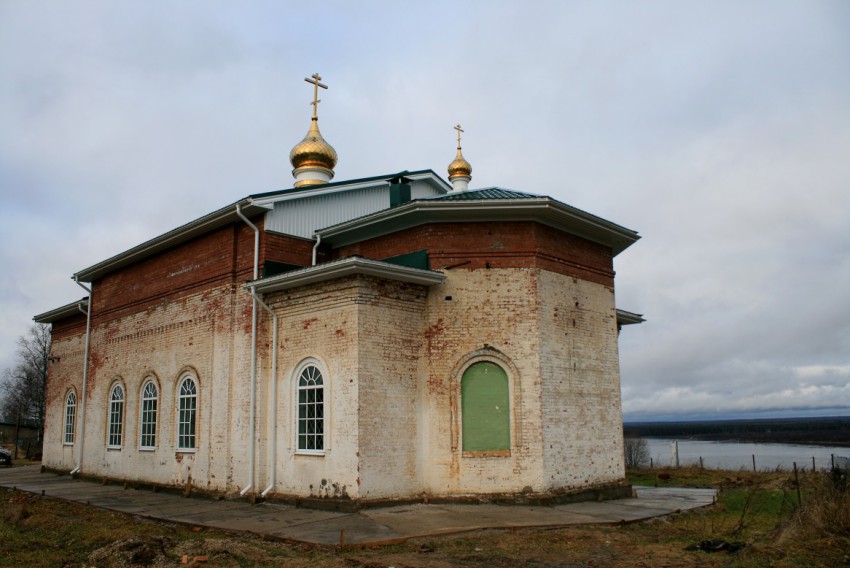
[760, 440]
[821, 431]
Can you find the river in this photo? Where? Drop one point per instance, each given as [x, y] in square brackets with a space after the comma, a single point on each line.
[739, 455]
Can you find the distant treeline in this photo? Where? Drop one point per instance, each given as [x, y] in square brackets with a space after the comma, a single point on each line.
[831, 431]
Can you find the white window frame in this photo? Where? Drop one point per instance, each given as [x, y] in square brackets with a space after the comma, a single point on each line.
[304, 370]
[181, 398]
[70, 429]
[115, 422]
[148, 428]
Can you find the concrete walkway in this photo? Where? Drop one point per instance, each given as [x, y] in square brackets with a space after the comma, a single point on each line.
[369, 526]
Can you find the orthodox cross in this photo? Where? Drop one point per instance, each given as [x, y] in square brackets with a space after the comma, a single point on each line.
[459, 130]
[315, 82]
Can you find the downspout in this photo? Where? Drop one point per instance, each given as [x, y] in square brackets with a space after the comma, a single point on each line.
[87, 311]
[250, 485]
[272, 400]
[316, 247]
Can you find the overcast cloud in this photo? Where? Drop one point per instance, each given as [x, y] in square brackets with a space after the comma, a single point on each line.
[718, 130]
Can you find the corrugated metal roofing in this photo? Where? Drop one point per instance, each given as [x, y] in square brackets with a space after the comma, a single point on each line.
[485, 193]
[303, 216]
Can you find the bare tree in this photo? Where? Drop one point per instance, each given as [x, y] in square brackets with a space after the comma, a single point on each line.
[24, 385]
[636, 452]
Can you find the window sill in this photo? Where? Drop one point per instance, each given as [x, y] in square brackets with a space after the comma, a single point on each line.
[314, 454]
[185, 450]
[114, 448]
[147, 449]
[486, 454]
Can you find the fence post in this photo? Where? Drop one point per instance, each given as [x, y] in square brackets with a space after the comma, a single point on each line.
[754, 462]
[700, 462]
[797, 483]
[813, 464]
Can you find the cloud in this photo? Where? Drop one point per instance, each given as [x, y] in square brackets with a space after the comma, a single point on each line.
[718, 130]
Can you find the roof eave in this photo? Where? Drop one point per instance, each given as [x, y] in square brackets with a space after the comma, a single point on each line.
[195, 228]
[544, 209]
[62, 312]
[346, 267]
[628, 318]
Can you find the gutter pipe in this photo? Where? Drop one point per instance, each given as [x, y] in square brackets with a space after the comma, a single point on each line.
[252, 445]
[272, 440]
[87, 311]
[316, 247]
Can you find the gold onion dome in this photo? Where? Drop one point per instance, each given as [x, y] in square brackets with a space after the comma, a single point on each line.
[460, 167]
[313, 159]
[460, 171]
[313, 151]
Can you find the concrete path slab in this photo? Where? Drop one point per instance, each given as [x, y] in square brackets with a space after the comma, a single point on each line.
[352, 528]
[369, 526]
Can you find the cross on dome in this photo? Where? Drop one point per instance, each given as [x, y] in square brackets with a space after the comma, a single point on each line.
[459, 130]
[314, 80]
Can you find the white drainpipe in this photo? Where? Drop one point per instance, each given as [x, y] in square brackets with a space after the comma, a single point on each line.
[316, 248]
[250, 485]
[272, 441]
[82, 422]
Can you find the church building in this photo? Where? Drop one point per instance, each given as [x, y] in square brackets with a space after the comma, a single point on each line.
[395, 337]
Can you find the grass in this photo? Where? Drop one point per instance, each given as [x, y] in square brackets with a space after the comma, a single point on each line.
[757, 509]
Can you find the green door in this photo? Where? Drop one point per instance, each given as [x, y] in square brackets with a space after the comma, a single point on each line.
[485, 408]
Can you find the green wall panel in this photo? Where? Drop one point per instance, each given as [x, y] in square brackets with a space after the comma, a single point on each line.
[485, 408]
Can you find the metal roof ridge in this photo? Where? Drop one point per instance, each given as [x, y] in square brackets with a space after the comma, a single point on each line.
[334, 184]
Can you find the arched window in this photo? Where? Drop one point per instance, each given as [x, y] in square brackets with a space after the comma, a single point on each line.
[70, 417]
[150, 397]
[187, 414]
[485, 408]
[116, 416]
[311, 410]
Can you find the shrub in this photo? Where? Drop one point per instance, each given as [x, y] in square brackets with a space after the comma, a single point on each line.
[636, 452]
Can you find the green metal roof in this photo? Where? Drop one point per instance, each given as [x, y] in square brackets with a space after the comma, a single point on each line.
[485, 193]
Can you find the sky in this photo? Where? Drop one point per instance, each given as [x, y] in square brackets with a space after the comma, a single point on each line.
[720, 131]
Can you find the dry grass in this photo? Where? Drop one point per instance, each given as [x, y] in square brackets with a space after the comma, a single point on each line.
[822, 522]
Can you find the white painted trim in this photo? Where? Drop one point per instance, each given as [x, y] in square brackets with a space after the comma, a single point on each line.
[326, 405]
[149, 379]
[182, 377]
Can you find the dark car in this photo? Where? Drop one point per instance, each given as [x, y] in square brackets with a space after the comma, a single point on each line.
[5, 457]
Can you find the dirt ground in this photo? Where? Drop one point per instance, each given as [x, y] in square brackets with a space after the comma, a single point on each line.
[756, 517]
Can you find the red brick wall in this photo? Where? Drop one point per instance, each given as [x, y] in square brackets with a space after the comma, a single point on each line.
[284, 248]
[68, 327]
[225, 255]
[522, 244]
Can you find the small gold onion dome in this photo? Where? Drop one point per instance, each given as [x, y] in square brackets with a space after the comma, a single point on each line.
[460, 167]
[313, 152]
